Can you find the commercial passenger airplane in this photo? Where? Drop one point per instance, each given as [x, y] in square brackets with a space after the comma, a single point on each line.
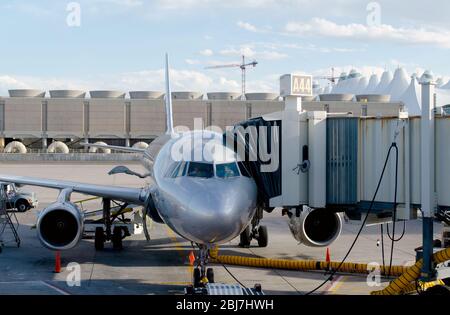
[202, 197]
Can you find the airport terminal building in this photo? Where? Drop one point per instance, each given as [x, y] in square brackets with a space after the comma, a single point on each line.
[36, 120]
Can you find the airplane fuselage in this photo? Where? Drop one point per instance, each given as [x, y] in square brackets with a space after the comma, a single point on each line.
[206, 200]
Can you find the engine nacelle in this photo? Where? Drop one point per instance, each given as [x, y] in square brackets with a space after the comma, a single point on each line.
[60, 226]
[315, 227]
[152, 212]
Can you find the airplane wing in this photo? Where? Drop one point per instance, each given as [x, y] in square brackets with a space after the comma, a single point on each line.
[131, 195]
[114, 147]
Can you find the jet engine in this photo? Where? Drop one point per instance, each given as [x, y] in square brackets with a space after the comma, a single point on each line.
[314, 227]
[60, 226]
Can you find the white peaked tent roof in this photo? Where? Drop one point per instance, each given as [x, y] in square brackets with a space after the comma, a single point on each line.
[343, 76]
[351, 84]
[336, 87]
[339, 86]
[354, 74]
[318, 91]
[446, 86]
[372, 85]
[327, 89]
[440, 82]
[442, 97]
[412, 98]
[398, 85]
[385, 80]
[362, 86]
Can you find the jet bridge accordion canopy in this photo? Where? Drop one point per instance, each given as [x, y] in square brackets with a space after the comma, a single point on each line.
[251, 139]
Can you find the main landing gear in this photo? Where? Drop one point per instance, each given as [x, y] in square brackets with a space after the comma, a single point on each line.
[112, 233]
[255, 231]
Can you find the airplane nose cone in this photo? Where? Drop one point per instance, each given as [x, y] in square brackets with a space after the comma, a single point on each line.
[220, 214]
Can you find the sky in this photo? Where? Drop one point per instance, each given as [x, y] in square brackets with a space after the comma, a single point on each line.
[120, 44]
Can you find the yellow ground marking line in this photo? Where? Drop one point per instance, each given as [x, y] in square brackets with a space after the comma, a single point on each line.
[336, 284]
[181, 251]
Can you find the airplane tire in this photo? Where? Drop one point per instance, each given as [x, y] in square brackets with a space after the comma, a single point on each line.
[210, 275]
[117, 238]
[197, 278]
[21, 206]
[99, 238]
[263, 236]
[245, 237]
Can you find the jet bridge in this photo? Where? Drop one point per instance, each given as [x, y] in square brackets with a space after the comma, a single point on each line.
[332, 160]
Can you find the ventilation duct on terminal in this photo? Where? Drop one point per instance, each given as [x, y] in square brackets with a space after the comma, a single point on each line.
[58, 147]
[15, 147]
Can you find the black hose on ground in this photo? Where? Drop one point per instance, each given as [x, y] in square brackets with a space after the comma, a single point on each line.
[330, 277]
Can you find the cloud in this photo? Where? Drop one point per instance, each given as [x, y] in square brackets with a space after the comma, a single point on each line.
[383, 32]
[28, 8]
[247, 26]
[255, 29]
[124, 3]
[271, 55]
[277, 46]
[233, 51]
[365, 70]
[249, 52]
[8, 82]
[195, 4]
[181, 79]
[230, 85]
[192, 61]
[206, 52]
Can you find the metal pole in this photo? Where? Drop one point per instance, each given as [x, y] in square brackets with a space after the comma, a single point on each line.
[428, 173]
[243, 77]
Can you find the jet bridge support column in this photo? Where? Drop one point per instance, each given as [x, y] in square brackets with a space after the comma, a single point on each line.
[292, 180]
[428, 193]
[294, 142]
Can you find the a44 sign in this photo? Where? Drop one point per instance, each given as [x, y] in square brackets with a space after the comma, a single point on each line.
[295, 85]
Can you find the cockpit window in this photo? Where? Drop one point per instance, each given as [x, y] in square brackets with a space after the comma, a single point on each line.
[181, 171]
[177, 169]
[171, 169]
[204, 170]
[227, 170]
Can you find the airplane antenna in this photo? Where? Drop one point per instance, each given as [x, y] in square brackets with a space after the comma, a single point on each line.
[168, 101]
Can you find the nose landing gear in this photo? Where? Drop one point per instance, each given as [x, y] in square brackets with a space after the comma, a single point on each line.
[203, 280]
[202, 275]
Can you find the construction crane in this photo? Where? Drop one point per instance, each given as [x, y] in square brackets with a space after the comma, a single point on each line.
[331, 78]
[243, 66]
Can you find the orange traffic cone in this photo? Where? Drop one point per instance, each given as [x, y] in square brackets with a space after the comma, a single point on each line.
[328, 260]
[191, 258]
[58, 262]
